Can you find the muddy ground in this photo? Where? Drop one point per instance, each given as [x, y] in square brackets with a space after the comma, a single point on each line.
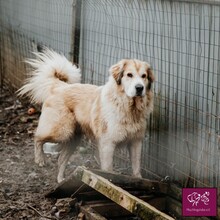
[23, 184]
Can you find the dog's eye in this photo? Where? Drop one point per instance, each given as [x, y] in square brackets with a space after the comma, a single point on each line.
[130, 75]
[144, 76]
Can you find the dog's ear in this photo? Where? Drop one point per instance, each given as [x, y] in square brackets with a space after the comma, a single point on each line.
[150, 77]
[117, 71]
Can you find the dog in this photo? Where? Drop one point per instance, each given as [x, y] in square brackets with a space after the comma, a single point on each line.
[111, 115]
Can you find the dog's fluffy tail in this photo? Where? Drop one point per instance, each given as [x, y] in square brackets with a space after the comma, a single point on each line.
[50, 70]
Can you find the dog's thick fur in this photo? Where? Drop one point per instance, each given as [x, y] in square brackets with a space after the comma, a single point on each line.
[113, 114]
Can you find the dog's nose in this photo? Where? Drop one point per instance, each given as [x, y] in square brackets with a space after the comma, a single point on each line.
[139, 88]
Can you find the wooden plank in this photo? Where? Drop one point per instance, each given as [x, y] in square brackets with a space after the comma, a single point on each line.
[175, 192]
[120, 196]
[158, 203]
[110, 210]
[133, 182]
[90, 196]
[91, 214]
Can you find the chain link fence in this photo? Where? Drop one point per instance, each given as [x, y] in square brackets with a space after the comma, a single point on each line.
[180, 39]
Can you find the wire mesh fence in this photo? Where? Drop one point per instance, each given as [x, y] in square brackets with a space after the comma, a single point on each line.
[180, 39]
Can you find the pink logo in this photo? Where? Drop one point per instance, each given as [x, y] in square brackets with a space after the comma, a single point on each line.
[199, 202]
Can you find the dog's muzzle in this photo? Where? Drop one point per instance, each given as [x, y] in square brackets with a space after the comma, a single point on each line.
[139, 89]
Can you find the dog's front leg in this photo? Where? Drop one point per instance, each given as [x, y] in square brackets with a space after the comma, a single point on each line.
[135, 155]
[39, 153]
[106, 153]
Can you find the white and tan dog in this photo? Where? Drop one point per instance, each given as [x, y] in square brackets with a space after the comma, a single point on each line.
[110, 115]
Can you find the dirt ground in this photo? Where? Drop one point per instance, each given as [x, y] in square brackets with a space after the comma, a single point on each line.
[23, 184]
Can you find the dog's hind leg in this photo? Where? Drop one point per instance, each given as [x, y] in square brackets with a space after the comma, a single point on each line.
[39, 153]
[56, 125]
[68, 149]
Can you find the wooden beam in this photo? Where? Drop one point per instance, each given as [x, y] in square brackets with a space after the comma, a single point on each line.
[91, 214]
[134, 182]
[175, 192]
[110, 210]
[120, 196]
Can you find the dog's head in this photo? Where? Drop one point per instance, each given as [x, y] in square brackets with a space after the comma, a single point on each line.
[134, 76]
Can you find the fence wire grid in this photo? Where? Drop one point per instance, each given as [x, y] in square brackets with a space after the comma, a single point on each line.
[180, 39]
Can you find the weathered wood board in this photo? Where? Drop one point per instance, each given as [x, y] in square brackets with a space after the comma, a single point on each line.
[120, 196]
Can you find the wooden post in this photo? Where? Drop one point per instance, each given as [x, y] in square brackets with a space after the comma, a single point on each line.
[76, 30]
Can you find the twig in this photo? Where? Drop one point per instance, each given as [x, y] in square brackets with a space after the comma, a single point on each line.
[78, 190]
[42, 216]
[96, 160]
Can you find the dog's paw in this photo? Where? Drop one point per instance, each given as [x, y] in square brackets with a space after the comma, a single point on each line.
[138, 175]
[40, 161]
[60, 179]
